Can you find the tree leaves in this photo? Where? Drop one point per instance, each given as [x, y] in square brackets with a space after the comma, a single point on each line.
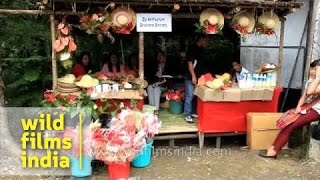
[31, 75]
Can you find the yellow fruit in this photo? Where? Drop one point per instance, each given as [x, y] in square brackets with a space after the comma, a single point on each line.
[215, 84]
[226, 77]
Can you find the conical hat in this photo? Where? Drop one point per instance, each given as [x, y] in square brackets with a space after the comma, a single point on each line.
[87, 81]
[67, 79]
[212, 17]
[124, 20]
[243, 23]
[269, 20]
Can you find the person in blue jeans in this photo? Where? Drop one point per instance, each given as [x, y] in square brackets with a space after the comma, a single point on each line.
[196, 68]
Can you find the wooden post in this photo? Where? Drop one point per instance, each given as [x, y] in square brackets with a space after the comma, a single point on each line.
[1, 89]
[280, 60]
[141, 55]
[53, 53]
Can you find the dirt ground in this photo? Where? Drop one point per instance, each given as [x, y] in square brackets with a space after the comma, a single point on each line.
[231, 162]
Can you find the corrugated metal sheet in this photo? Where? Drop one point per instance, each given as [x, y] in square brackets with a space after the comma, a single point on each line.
[252, 58]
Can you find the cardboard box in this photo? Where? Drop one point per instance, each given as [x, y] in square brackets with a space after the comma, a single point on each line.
[207, 94]
[234, 94]
[262, 130]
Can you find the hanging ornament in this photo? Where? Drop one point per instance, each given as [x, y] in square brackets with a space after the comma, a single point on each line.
[176, 7]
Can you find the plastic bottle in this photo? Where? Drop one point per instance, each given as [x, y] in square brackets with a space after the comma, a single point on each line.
[264, 81]
[269, 79]
[260, 79]
[274, 79]
[255, 79]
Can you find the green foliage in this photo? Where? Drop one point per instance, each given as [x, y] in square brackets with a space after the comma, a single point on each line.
[24, 56]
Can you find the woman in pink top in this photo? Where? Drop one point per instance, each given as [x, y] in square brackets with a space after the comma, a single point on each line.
[113, 68]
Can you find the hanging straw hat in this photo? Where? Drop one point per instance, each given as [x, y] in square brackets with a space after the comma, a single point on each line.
[124, 20]
[87, 81]
[243, 23]
[269, 22]
[211, 20]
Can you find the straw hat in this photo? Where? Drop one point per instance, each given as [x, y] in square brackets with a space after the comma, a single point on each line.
[124, 20]
[67, 79]
[211, 20]
[243, 23]
[269, 20]
[87, 81]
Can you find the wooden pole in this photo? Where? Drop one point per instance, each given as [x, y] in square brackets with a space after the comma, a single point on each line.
[280, 59]
[53, 53]
[1, 89]
[141, 55]
[71, 13]
[37, 12]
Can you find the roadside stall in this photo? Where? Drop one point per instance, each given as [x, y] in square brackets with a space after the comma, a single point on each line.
[222, 104]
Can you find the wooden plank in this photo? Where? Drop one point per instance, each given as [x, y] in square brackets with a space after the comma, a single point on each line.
[175, 136]
[175, 123]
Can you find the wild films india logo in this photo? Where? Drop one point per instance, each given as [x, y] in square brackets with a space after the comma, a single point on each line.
[35, 140]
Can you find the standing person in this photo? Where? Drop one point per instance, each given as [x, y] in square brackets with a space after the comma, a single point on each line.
[157, 84]
[239, 70]
[312, 90]
[83, 64]
[113, 68]
[196, 67]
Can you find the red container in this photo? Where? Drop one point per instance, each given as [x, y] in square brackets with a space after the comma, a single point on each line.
[119, 171]
[219, 117]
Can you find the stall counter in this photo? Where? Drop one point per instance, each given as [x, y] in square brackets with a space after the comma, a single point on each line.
[224, 116]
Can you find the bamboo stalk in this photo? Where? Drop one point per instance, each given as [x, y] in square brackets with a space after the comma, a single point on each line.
[53, 53]
[141, 55]
[37, 12]
[280, 59]
[262, 4]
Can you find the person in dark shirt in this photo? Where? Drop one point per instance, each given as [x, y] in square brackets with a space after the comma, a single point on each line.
[196, 68]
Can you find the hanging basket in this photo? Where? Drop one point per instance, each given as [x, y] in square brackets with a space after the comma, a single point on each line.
[118, 171]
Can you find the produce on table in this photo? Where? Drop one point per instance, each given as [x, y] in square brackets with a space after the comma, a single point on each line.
[205, 78]
[215, 84]
[221, 82]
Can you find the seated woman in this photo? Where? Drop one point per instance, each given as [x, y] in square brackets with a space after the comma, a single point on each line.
[157, 84]
[83, 64]
[132, 67]
[113, 68]
[312, 90]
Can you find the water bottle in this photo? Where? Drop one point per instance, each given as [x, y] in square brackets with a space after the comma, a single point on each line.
[249, 81]
[264, 80]
[269, 79]
[255, 80]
